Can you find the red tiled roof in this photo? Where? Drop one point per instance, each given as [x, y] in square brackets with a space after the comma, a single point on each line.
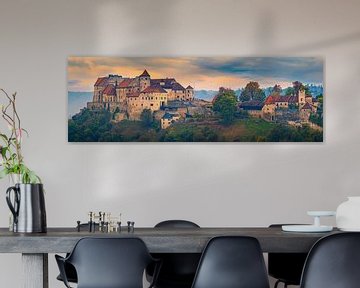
[110, 90]
[293, 99]
[307, 106]
[154, 89]
[166, 83]
[283, 99]
[125, 83]
[163, 80]
[145, 74]
[177, 86]
[252, 105]
[270, 100]
[101, 81]
[133, 94]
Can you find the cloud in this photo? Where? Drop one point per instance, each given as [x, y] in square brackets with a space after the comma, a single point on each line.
[74, 82]
[78, 62]
[304, 69]
[199, 72]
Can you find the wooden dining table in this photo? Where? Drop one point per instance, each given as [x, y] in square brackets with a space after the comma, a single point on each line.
[35, 247]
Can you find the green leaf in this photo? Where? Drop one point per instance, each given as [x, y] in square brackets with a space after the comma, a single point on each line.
[28, 176]
[3, 151]
[27, 133]
[33, 178]
[4, 173]
[4, 137]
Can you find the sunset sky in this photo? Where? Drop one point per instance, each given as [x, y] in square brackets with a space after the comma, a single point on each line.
[207, 73]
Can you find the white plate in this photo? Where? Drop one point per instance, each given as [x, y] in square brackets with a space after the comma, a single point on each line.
[350, 229]
[321, 213]
[306, 228]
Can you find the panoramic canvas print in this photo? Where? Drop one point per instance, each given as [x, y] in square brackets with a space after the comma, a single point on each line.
[195, 99]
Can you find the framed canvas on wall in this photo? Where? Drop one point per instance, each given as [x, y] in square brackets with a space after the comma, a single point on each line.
[195, 99]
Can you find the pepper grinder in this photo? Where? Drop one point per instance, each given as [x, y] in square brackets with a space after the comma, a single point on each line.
[78, 226]
[100, 221]
[90, 221]
[130, 226]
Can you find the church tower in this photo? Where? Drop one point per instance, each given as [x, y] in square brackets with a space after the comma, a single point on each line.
[144, 80]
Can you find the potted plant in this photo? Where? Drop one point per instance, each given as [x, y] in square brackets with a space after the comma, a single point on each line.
[12, 161]
[26, 197]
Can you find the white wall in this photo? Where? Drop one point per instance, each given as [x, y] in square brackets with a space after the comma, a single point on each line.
[212, 184]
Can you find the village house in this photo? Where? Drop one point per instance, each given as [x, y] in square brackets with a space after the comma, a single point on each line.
[274, 104]
[168, 119]
[276, 107]
[253, 107]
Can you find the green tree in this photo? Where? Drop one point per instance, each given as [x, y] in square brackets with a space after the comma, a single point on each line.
[117, 111]
[226, 105]
[146, 117]
[289, 91]
[181, 132]
[89, 126]
[320, 98]
[284, 133]
[252, 91]
[297, 85]
[317, 118]
[276, 89]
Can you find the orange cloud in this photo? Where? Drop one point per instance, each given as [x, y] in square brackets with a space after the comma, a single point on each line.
[83, 72]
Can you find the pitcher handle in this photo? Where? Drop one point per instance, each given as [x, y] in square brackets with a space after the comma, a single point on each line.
[13, 208]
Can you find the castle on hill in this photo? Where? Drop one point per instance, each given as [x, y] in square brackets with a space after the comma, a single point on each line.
[130, 96]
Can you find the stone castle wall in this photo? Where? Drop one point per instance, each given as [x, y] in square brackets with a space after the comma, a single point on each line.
[110, 106]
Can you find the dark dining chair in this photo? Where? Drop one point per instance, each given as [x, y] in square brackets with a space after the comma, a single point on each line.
[333, 262]
[178, 269]
[70, 271]
[232, 262]
[286, 267]
[108, 263]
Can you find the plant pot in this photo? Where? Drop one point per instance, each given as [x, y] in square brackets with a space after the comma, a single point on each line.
[348, 214]
[14, 179]
[27, 207]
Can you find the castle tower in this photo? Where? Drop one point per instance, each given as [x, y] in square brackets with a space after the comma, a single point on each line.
[301, 97]
[189, 93]
[144, 80]
[117, 89]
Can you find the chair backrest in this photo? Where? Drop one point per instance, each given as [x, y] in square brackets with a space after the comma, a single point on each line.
[110, 262]
[286, 266]
[232, 262]
[333, 262]
[176, 224]
[177, 267]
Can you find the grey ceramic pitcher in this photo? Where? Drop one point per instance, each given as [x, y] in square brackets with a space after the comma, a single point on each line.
[28, 207]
